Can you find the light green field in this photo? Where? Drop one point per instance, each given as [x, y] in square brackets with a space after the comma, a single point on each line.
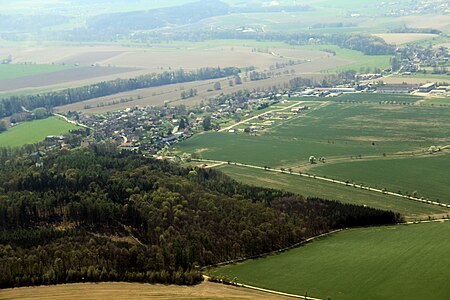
[33, 132]
[438, 101]
[343, 131]
[307, 187]
[425, 177]
[361, 62]
[386, 139]
[16, 71]
[397, 262]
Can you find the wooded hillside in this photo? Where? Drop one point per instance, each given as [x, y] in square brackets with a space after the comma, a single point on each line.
[98, 215]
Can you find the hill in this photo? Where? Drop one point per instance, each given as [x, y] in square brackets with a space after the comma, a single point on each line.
[97, 215]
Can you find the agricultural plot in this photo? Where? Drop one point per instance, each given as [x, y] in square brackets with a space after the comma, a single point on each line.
[313, 188]
[345, 135]
[417, 79]
[396, 262]
[121, 290]
[422, 177]
[404, 38]
[15, 71]
[340, 131]
[60, 77]
[35, 131]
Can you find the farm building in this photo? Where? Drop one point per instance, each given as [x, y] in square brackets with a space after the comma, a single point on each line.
[397, 88]
[426, 88]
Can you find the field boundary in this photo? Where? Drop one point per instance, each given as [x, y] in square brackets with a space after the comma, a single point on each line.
[360, 186]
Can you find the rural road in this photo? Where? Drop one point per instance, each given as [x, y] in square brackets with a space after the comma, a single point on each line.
[71, 121]
[363, 187]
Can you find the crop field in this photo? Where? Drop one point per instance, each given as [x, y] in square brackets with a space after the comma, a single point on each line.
[344, 131]
[35, 131]
[308, 187]
[395, 262]
[390, 138]
[357, 60]
[427, 176]
[15, 70]
[417, 79]
[438, 101]
[125, 62]
[404, 38]
[139, 291]
[60, 77]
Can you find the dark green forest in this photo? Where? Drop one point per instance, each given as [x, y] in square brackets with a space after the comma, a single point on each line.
[100, 215]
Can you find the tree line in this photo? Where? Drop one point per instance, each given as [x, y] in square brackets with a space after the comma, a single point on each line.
[15, 104]
[98, 215]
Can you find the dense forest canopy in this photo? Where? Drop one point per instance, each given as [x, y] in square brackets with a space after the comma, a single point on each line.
[98, 215]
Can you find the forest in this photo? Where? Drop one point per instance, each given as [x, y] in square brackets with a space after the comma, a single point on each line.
[14, 104]
[101, 215]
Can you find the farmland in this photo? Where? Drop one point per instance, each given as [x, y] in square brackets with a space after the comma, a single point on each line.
[401, 262]
[120, 290]
[35, 131]
[404, 38]
[118, 61]
[421, 176]
[335, 130]
[21, 70]
[314, 188]
[59, 77]
[352, 136]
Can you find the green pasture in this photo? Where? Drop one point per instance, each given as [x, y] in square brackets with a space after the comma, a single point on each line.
[427, 177]
[33, 132]
[395, 262]
[309, 187]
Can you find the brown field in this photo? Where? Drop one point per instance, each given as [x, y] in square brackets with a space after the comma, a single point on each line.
[441, 22]
[403, 38]
[413, 80]
[172, 93]
[126, 62]
[193, 59]
[60, 77]
[119, 291]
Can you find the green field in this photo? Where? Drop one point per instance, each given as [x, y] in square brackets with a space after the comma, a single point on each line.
[426, 176]
[313, 188]
[397, 262]
[337, 131]
[360, 62]
[16, 71]
[353, 138]
[33, 132]
[438, 101]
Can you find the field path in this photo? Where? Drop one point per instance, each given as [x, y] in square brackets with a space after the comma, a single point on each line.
[363, 187]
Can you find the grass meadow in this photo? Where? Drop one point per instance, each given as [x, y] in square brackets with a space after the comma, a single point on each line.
[33, 132]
